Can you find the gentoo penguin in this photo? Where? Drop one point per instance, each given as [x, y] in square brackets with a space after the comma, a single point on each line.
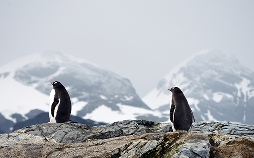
[60, 104]
[181, 115]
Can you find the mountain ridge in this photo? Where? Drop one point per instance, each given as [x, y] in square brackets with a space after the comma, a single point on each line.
[217, 87]
[96, 93]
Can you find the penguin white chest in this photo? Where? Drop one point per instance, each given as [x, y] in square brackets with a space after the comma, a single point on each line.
[51, 101]
[172, 123]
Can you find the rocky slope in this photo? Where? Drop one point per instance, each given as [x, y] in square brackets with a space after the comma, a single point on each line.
[44, 118]
[124, 139]
[217, 87]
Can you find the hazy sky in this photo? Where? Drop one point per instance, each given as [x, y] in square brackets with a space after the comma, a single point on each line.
[141, 40]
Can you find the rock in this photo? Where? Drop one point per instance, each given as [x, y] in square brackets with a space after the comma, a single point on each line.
[225, 128]
[194, 148]
[44, 118]
[130, 138]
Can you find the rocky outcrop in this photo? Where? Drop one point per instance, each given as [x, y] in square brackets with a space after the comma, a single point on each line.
[43, 117]
[135, 138]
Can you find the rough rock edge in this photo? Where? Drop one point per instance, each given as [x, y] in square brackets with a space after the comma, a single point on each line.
[130, 138]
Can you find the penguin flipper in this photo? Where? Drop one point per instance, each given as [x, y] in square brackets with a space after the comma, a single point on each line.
[172, 109]
[53, 106]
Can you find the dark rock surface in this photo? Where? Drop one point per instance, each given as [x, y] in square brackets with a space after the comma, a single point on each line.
[130, 138]
[5, 124]
[43, 117]
[225, 128]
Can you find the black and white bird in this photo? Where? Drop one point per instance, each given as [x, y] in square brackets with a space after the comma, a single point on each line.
[60, 104]
[181, 115]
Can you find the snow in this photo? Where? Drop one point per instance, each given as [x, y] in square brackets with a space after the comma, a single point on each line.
[20, 98]
[103, 97]
[79, 60]
[42, 59]
[243, 87]
[210, 117]
[15, 64]
[128, 98]
[135, 111]
[244, 116]
[203, 118]
[194, 102]
[228, 95]
[105, 114]
[13, 91]
[77, 105]
[59, 71]
[217, 97]
[206, 97]
[176, 80]
[223, 68]
[155, 99]
[184, 63]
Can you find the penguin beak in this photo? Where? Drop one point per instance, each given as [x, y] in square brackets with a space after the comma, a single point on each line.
[51, 83]
[170, 89]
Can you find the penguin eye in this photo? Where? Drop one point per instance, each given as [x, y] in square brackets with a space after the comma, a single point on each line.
[55, 82]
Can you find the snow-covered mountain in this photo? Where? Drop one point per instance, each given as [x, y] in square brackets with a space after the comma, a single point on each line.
[96, 93]
[216, 85]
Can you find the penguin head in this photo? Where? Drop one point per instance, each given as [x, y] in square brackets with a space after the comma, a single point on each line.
[175, 90]
[56, 84]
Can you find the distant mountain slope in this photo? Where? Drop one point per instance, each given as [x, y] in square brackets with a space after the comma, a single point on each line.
[217, 87]
[96, 93]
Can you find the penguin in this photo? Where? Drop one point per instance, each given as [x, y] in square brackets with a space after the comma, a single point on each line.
[181, 114]
[60, 104]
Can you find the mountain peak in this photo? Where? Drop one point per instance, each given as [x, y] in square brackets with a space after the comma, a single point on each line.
[211, 80]
[42, 58]
[92, 89]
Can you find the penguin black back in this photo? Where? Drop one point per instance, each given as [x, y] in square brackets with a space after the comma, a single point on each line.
[60, 104]
[180, 112]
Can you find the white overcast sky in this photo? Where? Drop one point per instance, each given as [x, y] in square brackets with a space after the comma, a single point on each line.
[141, 40]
